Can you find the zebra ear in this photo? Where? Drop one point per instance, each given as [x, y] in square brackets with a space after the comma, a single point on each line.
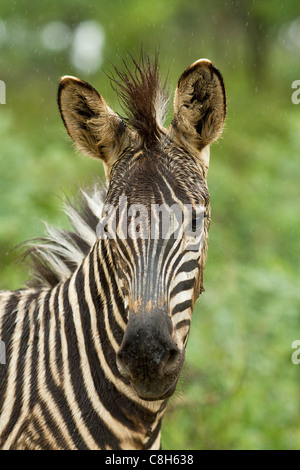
[96, 130]
[199, 106]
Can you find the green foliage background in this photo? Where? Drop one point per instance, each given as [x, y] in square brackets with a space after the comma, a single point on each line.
[239, 388]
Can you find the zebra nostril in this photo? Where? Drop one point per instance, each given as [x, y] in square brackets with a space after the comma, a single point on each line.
[123, 369]
[173, 361]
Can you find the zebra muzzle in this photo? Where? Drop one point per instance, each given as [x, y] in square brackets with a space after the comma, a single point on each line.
[149, 358]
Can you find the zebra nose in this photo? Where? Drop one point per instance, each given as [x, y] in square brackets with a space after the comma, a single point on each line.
[147, 361]
[148, 352]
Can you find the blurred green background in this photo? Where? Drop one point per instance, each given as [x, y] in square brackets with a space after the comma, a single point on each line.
[239, 388]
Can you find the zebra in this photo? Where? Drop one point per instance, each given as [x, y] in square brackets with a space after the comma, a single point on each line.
[95, 342]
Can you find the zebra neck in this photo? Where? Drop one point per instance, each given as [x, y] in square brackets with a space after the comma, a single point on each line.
[96, 303]
[99, 313]
[62, 344]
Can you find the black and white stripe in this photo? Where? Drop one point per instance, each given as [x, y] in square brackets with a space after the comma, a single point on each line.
[95, 344]
[61, 387]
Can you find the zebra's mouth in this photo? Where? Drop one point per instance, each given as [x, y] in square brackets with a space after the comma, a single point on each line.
[167, 395]
[153, 392]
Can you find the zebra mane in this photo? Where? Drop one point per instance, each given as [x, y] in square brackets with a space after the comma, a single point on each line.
[144, 96]
[56, 255]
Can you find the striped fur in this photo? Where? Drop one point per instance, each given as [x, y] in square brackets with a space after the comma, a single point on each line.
[95, 344]
[55, 256]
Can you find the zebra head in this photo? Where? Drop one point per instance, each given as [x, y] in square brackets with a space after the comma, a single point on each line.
[157, 265]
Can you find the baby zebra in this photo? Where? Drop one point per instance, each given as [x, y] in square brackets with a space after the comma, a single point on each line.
[94, 346]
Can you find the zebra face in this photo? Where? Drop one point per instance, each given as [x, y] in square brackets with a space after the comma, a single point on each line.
[158, 244]
[157, 260]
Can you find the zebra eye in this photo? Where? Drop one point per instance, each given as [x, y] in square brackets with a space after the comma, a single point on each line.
[196, 222]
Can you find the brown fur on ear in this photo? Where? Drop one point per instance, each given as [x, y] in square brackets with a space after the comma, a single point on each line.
[96, 130]
[199, 105]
